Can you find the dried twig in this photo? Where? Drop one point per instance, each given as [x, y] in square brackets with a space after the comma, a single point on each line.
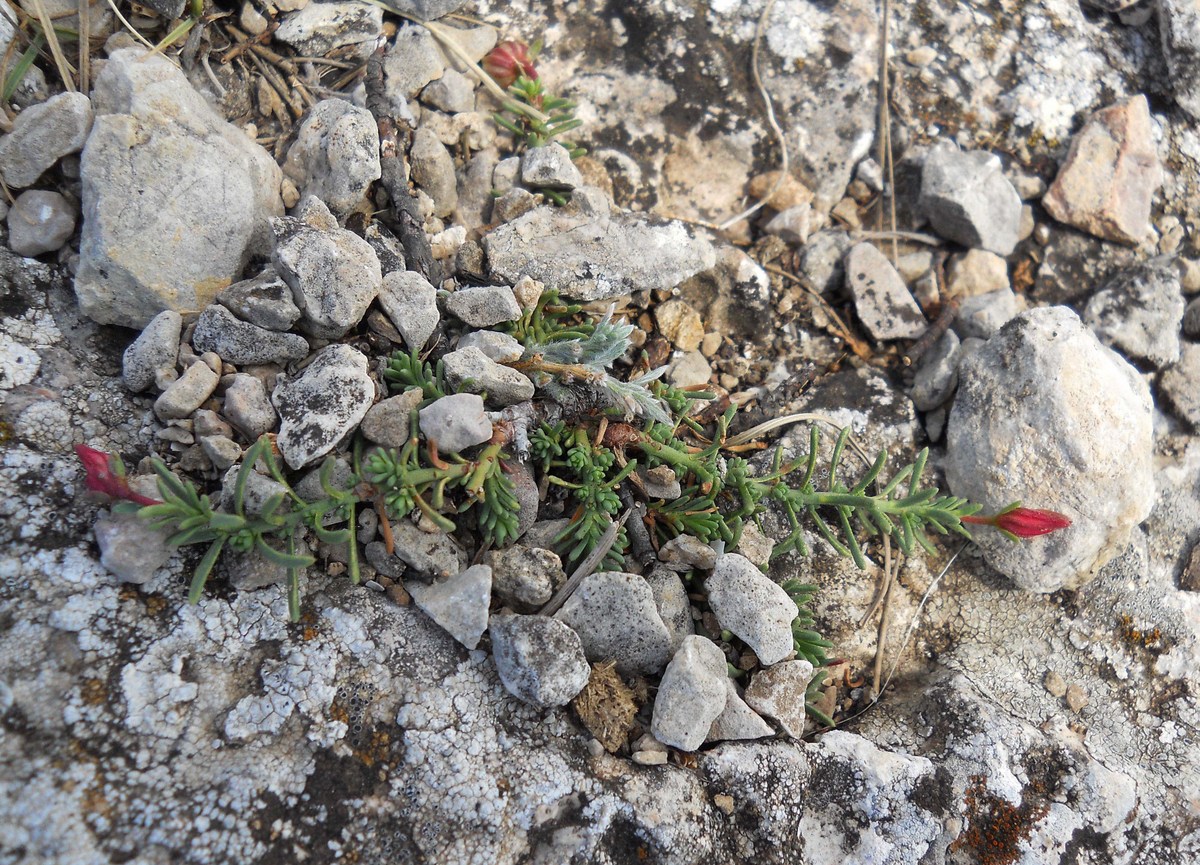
[65, 72]
[860, 348]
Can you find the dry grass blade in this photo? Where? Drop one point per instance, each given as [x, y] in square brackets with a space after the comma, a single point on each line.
[136, 35]
[595, 557]
[860, 348]
[85, 47]
[65, 72]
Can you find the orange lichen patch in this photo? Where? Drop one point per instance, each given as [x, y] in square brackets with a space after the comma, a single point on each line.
[1151, 639]
[94, 692]
[995, 826]
[155, 604]
[607, 706]
[377, 751]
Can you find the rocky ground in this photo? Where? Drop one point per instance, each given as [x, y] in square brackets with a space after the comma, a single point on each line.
[239, 235]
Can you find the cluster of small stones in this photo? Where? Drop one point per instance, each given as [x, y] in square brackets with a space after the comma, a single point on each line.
[286, 351]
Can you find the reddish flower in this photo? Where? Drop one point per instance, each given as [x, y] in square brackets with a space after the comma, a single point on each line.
[509, 60]
[106, 474]
[1023, 522]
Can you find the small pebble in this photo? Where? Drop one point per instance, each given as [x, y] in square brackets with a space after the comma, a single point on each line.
[39, 222]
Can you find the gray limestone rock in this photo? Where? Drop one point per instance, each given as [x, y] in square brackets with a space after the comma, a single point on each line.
[975, 272]
[259, 490]
[142, 254]
[616, 618]
[40, 221]
[691, 695]
[221, 451]
[453, 93]
[265, 300]
[753, 607]
[588, 257]
[459, 604]
[335, 156]
[155, 350]
[248, 407]
[549, 166]
[130, 547]
[686, 552]
[41, 135]
[322, 404]
[483, 305]
[884, 304]
[791, 225]
[1179, 21]
[1191, 319]
[982, 315]
[737, 720]
[671, 601]
[187, 393]
[661, 482]
[823, 256]
[1181, 383]
[969, 200]
[432, 556]
[937, 375]
[778, 692]
[433, 171]
[1107, 182]
[427, 10]
[334, 274]
[241, 343]
[1043, 411]
[469, 370]
[456, 422]
[1139, 312]
[387, 422]
[525, 577]
[500, 347]
[410, 62]
[319, 28]
[513, 204]
[410, 301]
[540, 660]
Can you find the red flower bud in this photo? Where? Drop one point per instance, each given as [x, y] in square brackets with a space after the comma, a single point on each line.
[106, 474]
[509, 60]
[1023, 522]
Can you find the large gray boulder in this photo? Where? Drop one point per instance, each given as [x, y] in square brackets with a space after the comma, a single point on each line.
[1048, 416]
[175, 200]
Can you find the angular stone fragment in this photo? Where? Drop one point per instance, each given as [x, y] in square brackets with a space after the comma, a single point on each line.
[1043, 411]
[753, 607]
[410, 62]
[691, 695]
[778, 692]
[248, 407]
[671, 601]
[1108, 180]
[737, 720]
[130, 547]
[140, 250]
[155, 349]
[321, 405]
[1139, 312]
[1179, 23]
[433, 171]
[976, 272]
[483, 305]
[335, 156]
[410, 302]
[241, 343]
[387, 422]
[187, 393]
[969, 200]
[456, 422]
[525, 576]
[334, 274]
[432, 556]
[540, 660]
[265, 300]
[885, 306]
[469, 370]
[500, 347]
[982, 315]
[41, 135]
[459, 604]
[549, 166]
[590, 257]
[687, 552]
[453, 93]
[319, 28]
[1181, 383]
[616, 618]
[937, 375]
[680, 324]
